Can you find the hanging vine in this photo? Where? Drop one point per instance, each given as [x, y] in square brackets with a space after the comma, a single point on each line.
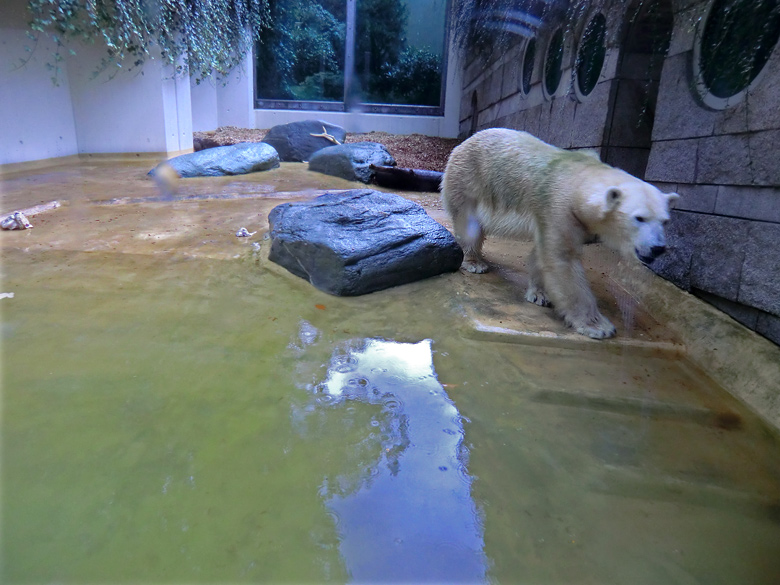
[199, 37]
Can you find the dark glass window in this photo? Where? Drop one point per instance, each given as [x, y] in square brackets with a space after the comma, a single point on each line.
[553, 63]
[590, 57]
[738, 39]
[529, 58]
[378, 53]
[400, 51]
[302, 57]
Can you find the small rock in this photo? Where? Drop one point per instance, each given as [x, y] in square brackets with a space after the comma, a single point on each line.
[16, 221]
[238, 159]
[298, 141]
[360, 241]
[351, 161]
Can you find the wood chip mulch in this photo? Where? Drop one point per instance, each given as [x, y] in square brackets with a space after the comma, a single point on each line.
[414, 151]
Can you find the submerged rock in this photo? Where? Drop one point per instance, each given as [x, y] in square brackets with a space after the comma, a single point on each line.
[238, 159]
[298, 141]
[351, 161]
[360, 241]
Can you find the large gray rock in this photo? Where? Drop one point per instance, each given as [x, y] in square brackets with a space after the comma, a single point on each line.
[295, 142]
[360, 241]
[351, 161]
[238, 159]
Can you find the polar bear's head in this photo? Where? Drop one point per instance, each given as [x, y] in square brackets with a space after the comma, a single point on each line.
[632, 216]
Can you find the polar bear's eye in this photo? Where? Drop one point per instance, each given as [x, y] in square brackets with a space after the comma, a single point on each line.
[640, 219]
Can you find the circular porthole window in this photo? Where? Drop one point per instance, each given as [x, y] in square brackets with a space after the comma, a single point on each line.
[732, 48]
[590, 56]
[553, 64]
[526, 74]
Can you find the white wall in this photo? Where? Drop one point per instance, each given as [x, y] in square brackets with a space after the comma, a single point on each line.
[227, 101]
[140, 110]
[36, 116]
[177, 107]
[135, 110]
[236, 95]
[204, 105]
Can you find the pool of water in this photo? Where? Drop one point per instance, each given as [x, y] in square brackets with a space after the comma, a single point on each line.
[211, 418]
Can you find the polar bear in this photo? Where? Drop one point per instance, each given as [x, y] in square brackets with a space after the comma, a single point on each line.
[508, 183]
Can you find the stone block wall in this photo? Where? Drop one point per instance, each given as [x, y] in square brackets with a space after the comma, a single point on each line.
[725, 234]
[724, 237]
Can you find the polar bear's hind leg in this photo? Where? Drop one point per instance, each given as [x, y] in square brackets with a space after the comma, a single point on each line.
[535, 293]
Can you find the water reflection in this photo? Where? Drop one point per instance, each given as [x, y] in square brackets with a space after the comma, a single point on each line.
[408, 514]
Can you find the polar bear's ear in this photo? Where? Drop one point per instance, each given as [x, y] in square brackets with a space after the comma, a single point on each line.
[672, 196]
[612, 198]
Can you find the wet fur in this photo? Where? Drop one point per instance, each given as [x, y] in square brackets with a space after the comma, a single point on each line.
[510, 184]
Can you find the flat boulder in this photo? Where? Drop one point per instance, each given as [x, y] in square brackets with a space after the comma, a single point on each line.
[298, 141]
[351, 161]
[360, 241]
[238, 159]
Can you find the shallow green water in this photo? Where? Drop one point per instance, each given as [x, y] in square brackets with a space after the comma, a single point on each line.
[215, 421]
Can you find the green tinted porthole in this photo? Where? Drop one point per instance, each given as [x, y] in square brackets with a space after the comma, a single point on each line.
[529, 58]
[732, 48]
[590, 56]
[553, 64]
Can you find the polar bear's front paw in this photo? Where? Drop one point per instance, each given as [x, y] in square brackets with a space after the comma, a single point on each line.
[536, 296]
[599, 328]
[475, 265]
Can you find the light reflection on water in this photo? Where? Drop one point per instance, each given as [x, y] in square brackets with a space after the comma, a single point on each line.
[409, 514]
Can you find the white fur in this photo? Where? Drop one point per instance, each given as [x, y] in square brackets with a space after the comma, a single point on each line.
[508, 183]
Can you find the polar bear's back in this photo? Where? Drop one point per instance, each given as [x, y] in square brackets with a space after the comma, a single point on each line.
[500, 171]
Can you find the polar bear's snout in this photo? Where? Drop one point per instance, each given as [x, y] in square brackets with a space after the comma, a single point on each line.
[655, 252]
[650, 242]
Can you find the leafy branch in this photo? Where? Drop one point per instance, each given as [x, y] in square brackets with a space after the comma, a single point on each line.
[199, 37]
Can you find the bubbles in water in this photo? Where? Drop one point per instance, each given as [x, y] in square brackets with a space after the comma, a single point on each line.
[391, 403]
[307, 333]
[343, 364]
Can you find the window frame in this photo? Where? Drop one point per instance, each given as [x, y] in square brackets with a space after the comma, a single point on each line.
[700, 88]
[549, 95]
[531, 44]
[582, 96]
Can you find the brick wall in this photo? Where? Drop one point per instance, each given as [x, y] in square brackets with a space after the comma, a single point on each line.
[724, 237]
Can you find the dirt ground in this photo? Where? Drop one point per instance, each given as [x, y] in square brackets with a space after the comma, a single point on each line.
[413, 151]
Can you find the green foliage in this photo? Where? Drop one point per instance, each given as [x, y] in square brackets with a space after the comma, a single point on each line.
[306, 40]
[199, 37]
[414, 79]
[323, 85]
[381, 27]
[302, 57]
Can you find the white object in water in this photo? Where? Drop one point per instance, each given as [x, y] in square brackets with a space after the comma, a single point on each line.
[6, 295]
[16, 221]
[244, 233]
